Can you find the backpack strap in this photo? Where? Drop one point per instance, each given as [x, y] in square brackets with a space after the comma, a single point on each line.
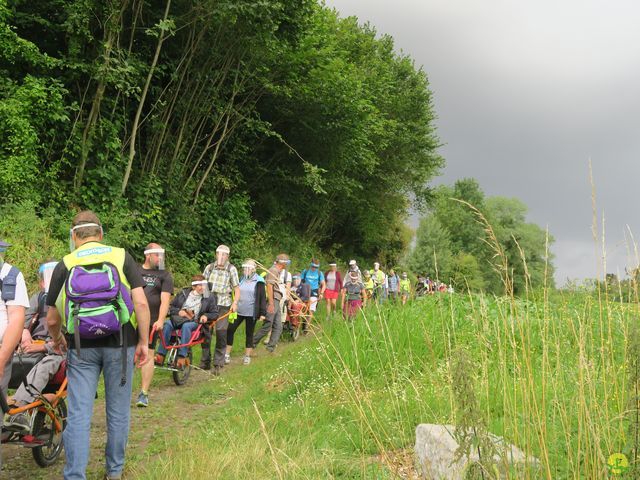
[9, 294]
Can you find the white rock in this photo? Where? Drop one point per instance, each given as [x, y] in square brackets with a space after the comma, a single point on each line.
[436, 447]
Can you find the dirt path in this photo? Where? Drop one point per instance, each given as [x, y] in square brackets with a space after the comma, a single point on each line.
[165, 408]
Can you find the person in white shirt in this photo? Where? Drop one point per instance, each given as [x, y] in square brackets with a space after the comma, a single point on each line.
[14, 301]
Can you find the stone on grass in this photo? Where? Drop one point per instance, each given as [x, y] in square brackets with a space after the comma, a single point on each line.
[436, 447]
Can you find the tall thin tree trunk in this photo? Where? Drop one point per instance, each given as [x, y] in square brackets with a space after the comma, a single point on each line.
[110, 35]
[143, 96]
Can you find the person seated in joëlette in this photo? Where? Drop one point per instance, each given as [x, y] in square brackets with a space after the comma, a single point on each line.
[189, 307]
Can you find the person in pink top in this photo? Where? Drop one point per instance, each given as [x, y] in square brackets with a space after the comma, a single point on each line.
[334, 286]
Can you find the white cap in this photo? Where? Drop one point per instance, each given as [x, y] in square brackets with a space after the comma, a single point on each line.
[352, 262]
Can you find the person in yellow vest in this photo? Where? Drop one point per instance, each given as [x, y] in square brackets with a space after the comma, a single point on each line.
[379, 282]
[405, 288]
[108, 338]
[368, 284]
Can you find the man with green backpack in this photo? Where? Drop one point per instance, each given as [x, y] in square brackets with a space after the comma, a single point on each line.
[97, 294]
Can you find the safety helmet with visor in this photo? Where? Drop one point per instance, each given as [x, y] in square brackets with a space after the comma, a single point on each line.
[249, 268]
[45, 272]
[156, 257]
[222, 255]
[74, 229]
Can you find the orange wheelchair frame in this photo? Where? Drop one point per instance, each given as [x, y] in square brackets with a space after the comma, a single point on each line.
[47, 421]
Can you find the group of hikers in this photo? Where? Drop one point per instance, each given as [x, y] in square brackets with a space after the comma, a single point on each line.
[98, 311]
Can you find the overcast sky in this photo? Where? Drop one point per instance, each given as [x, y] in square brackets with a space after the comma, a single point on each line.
[526, 93]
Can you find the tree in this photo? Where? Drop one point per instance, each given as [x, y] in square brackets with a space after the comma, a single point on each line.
[432, 253]
[469, 260]
[467, 274]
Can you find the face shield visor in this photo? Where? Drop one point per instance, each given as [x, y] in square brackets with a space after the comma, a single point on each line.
[248, 269]
[201, 287]
[222, 255]
[72, 244]
[353, 276]
[286, 262]
[156, 258]
[296, 281]
[45, 272]
[314, 265]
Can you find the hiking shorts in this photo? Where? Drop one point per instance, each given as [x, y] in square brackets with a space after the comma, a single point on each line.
[331, 294]
[313, 304]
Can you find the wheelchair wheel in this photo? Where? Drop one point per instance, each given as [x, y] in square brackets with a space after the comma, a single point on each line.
[180, 377]
[44, 430]
[295, 332]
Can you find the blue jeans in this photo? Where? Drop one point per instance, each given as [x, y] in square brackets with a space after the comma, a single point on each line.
[186, 329]
[83, 374]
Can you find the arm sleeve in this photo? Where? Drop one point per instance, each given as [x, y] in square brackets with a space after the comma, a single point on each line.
[212, 308]
[176, 304]
[234, 280]
[57, 283]
[167, 284]
[132, 272]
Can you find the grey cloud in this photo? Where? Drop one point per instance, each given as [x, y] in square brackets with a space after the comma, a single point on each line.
[526, 93]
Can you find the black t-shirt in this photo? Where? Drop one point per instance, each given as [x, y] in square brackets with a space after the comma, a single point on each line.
[156, 282]
[131, 271]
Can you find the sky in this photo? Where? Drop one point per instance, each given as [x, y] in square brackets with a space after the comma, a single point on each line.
[527, 94]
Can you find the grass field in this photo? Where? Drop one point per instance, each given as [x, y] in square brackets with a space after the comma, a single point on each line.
[554, 376]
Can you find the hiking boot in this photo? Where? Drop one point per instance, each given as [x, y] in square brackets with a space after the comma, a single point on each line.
[20, 422]
[227, 359]
[216, 370]
[205, 366]
[270, 349]
[246, 360]
[158, 360]
[143, 400]
[115, 476]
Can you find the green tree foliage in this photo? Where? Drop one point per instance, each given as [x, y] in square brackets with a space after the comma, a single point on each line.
[467, 273]
[198, 122]
[453, 231]
[432, 255]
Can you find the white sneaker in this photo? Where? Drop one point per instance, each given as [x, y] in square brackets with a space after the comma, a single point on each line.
[227, 359]
[246, 360]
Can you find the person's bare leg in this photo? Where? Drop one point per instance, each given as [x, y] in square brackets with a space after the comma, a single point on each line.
[146, 372]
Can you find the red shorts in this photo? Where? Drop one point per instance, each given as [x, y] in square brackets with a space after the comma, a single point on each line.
[331, 294]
